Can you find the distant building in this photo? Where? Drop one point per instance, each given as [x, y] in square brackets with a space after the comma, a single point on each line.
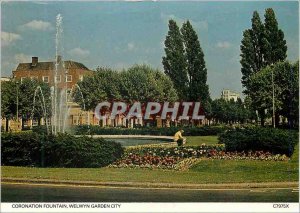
[67, 77]
[229, 94]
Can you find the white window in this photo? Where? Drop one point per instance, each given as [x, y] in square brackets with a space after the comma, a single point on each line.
[46, 79]
[80, 77]
[69, 78]
[58, 79]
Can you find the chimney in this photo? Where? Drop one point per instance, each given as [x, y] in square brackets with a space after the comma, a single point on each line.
[35, 61]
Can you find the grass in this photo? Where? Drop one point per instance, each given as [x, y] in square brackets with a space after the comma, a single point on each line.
[206, 171]
[198, 140]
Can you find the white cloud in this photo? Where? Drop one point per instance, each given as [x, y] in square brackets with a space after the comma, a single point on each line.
[22, 58]
[9, 38]
[78, 52]
[37, 25]
[201, 25]
[223, 44]
[131, 46]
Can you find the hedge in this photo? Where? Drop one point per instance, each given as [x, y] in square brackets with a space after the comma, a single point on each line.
[166, 131]
[63, 150]
[276, 141]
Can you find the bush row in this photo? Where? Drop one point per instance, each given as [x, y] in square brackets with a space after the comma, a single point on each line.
[276, 141]
[63, 150]
[167, 131]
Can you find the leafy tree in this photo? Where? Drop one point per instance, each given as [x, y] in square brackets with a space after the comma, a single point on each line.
[25, 92]
[142, 83]
[174, 62]
[103, 85]
[196, 68]
[8, 100]
[231, 111]
[252, 50]
[275, 44]
[138, 83]
[262, 45]
[286, 88]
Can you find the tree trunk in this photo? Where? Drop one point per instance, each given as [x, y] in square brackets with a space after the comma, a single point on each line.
[39, 121]
[277, 118]
[6, 124]
[22, 120]
[262, 118]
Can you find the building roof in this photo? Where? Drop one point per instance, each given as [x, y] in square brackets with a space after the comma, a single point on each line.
[50, 66]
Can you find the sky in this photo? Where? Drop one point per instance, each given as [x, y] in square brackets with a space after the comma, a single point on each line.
[121, 34]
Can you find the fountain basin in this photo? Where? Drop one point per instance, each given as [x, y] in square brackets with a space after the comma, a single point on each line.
[133, 140]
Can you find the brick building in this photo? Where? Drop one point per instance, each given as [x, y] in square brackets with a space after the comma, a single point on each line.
[68, 74]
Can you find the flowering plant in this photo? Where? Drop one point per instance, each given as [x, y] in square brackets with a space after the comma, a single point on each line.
[182, 158]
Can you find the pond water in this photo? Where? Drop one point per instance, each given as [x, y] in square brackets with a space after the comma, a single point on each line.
[139, 141]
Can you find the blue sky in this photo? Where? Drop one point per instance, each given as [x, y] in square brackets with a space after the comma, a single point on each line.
[120, 34]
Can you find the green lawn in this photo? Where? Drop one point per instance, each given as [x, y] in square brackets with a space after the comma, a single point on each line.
[207, 171]
[198, 140]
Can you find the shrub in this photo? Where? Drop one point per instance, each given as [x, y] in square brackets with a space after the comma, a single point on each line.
[63, 150]
[167, 131]
[40, 129]
[276, 141]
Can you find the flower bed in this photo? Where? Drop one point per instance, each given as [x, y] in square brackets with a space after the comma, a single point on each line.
[171, 150]
[257, 155]
[182, 158]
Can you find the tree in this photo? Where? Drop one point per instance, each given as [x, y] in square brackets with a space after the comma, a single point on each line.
[252, 50]
[275, 44]
[262, 45]
[8, 102]
[231, 111]
[25, 92]
[138, 83]
[196, 69]
[286, 88]
[174, 62]
[144, 84]
[103, 85]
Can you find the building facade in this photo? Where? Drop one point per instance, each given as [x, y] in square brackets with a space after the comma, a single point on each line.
[65, 74]
[68, 72]
[229, 94]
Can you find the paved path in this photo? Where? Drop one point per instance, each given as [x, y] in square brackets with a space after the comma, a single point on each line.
[68, 193]
[155, 185]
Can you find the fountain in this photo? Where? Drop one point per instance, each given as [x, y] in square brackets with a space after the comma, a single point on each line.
[60, 94]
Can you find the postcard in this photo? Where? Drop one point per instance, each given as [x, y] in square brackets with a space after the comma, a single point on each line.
[149, 106]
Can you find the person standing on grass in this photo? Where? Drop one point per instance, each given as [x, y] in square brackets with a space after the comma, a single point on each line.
[179, 139]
